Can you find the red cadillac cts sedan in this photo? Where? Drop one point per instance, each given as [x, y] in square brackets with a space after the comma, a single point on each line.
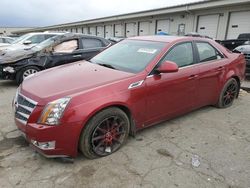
[93, 106]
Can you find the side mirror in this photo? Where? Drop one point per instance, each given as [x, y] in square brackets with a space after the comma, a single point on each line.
[27, 42]
[168, 67]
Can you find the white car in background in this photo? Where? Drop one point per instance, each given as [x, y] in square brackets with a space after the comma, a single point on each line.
[28, 40]
[5, 41]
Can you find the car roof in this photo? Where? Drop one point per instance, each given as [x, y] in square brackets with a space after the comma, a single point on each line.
[162, 38]
[72, 36]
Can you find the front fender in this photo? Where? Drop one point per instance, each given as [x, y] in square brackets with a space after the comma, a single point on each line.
[38, 61]
[82, 110]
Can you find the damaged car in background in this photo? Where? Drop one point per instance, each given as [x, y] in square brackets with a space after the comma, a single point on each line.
[61, 49]
[245, 49]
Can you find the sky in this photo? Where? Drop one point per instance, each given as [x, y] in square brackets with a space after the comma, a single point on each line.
[36, 13]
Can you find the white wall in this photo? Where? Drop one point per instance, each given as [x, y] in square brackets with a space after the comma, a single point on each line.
[187, 18]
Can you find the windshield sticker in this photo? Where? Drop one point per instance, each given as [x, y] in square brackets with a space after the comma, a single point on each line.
[147, 50]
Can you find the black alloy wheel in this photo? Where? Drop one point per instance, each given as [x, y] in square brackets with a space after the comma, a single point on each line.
[105, 133]
[229, 93]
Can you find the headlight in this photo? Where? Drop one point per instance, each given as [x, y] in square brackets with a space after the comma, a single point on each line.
[53, 111]
[9, 69]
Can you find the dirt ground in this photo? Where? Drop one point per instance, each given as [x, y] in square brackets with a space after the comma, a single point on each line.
[159, 156]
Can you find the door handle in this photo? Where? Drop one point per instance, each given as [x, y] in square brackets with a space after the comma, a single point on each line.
[194, 76]
[77, 55]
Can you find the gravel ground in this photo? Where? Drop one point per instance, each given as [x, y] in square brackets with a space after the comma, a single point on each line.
[159, 156]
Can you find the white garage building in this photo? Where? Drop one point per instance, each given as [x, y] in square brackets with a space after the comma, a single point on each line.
[219, 19]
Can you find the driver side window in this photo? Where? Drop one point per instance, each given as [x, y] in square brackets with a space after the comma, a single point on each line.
[181, 54]
[66, 47]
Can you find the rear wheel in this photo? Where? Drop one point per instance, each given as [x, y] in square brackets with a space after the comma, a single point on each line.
[25, 72]
[228, 93]
[105, 133]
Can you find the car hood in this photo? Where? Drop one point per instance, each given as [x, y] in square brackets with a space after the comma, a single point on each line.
[69, 80]
[243, 48]
[12, 56]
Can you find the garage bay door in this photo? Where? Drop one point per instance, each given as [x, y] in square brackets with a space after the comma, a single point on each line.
[92, 30]
[131, 29]
[108, 31]
[85, 30]
[73, 30]
[79, 30]
[118, 30]
[144, 28]
[163, 26]
[100, 31]
[239, 23]
[208, 25]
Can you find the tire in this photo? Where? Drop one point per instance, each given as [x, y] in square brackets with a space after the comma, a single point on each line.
[228, 93]
[25, 72]
[105, 133]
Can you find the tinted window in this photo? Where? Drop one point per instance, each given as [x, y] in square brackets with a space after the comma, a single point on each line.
[1, 40]
[91, 43]
[244, 36]
[207, 52]
[182, 54]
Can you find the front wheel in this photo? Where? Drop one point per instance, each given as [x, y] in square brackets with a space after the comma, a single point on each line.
[25, 72]
[228, 93]
[105, 133]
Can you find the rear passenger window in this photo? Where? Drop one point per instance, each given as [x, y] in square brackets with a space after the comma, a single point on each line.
[207, 52]
[91, 43]
[182, 54]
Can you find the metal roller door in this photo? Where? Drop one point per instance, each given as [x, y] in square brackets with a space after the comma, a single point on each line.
[73, 30]
[208, 25]
[131, 29]
[118, 30]
[144, 28]
[239, 23]
[108, 31]
[100, 31]
[85, 30]
[79, 30]
[163, 26]
[92, 30]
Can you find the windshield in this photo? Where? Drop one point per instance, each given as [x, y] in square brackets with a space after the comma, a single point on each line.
[21, 39]
[129, 55]
[45, 43]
